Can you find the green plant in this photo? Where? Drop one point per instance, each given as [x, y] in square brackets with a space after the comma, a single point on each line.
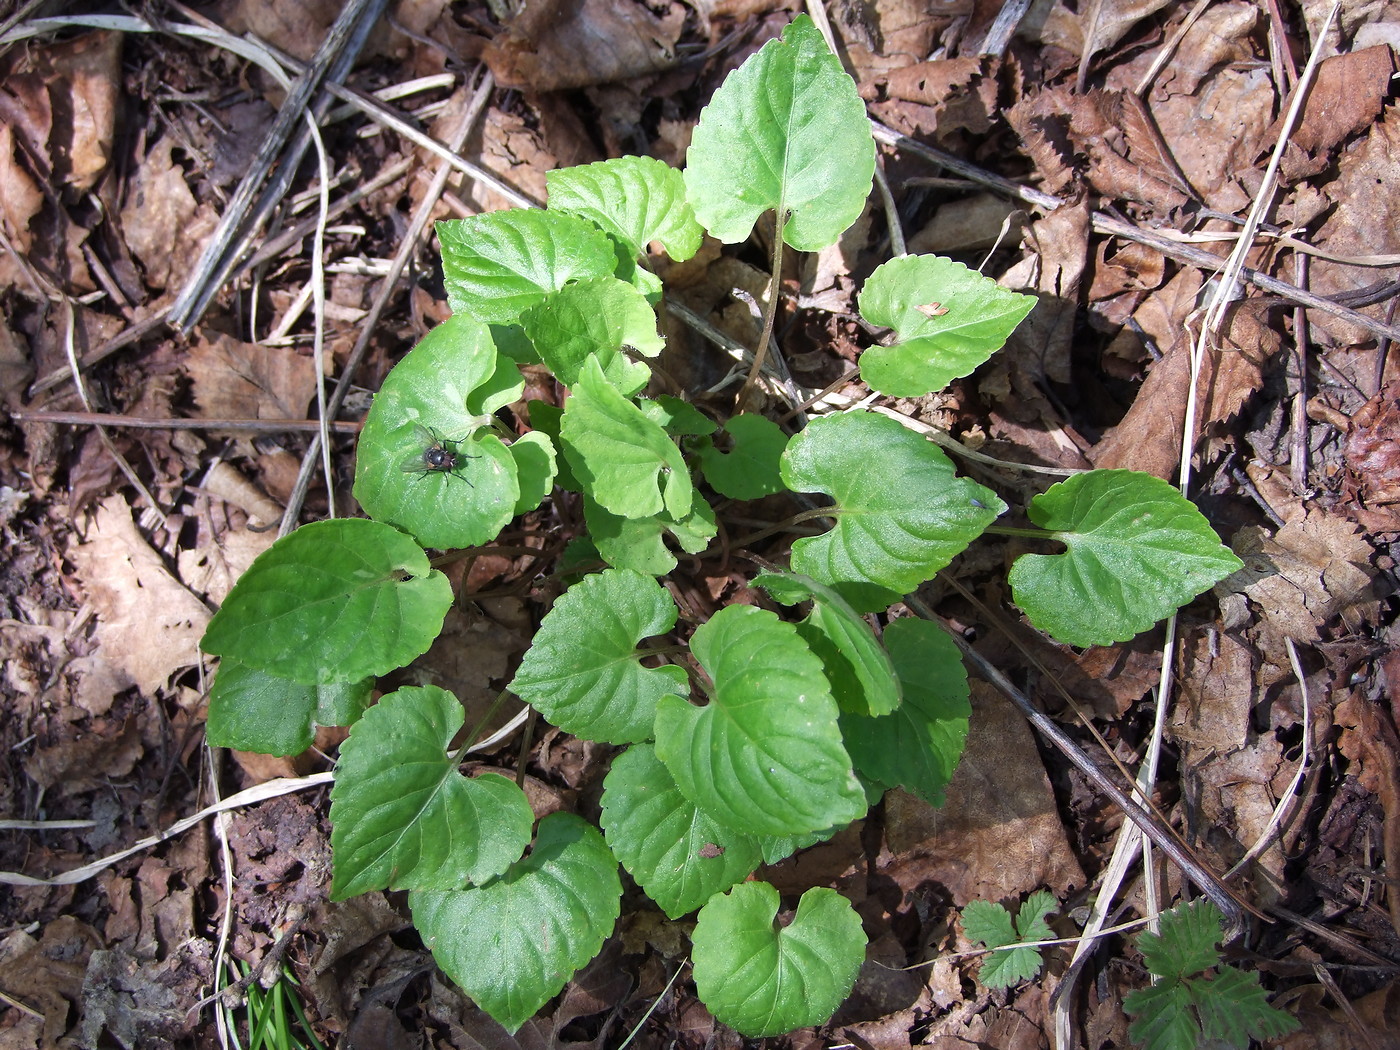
[989, 924]
[809, 715]
[1198, 1000]
[275, 1018]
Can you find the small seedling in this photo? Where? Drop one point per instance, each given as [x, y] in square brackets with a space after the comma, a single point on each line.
[1197, 1000]
[440, 456]
[989, 924]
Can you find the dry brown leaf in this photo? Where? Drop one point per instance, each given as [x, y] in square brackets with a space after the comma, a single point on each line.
[1370, 740]
[561, 44]
[1311, 571]
[20, 196]
[1216, 135]
[295, 28]
[883, 35]
[1347, 95]
[1329, 1026]
[1372, 453]
[1234, 773]
[1365, 221]
[1000, 833]
[85, 762]
[1078, 31]
[161, 223]
[82, 79]
[1221, 35]
[1149, 437]
[46, 974]
[237, 380]
[148, 623]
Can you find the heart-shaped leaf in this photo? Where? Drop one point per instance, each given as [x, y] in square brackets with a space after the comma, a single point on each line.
[251, 710]
[598, 317]
[640, 543]
[949, 320]
[765, 755]
[901, 512]
[513, 943]
[624, 461]
[334, 601]
[765, 981]
[500, 264]
[438, 402]
[918, 746]
[680, 856]
[1137, 550]
[785, 132]
[582, 672]
[857, 666]
[401, 814]
[749, 470]
[636, 199]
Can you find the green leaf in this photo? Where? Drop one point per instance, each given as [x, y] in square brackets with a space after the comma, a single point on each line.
[402, 817]
[251, 710]
[749, 470]
[625, 462]
[636, 199]
[1234, 1009]
[765, 755]
[859, 670]
[1164, 1018]
[334, 601]
[1186, 943]
[678, 418]
[1137, 551]
[545, 419]
[513, 943]
[765, 981]
[780, 847]
[596, 317]
[901, 512]
[639, 543]
[582, 672]
[989, 923]
[536, 467]
[680, 856]
[949, 319]
[442, 395]
[498, 265]
[918, 746]
[1030, 920]
[785, 132]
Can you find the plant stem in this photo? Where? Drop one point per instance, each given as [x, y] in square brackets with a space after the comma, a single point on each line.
[770, 313]
[796, 519]
[1029, 534]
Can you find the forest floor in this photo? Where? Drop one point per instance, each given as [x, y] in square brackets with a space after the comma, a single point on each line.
[1106, 168]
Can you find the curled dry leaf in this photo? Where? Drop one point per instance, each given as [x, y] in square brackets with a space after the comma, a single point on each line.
[556, 46]
[148, 623]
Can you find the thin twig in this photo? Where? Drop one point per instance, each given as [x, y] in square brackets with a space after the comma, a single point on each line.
[345, 37]
[108, 419]
[387, 289]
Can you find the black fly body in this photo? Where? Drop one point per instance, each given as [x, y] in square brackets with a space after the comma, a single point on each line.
[440, 456]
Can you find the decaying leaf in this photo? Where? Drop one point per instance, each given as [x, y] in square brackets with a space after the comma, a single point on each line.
[237, 380]
[555, 46]
[148, 623]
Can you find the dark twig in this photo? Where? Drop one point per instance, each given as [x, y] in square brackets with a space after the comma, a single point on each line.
[333, 59]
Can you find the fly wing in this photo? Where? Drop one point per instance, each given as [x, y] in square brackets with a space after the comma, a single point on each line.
[417, 462]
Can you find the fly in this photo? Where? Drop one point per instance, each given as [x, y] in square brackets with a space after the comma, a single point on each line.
[440, 456]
